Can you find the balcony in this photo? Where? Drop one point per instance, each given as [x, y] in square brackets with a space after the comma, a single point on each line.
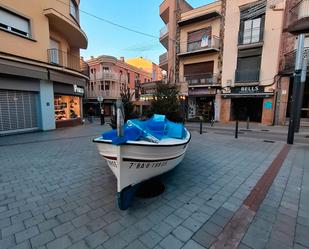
[298, 18]
[110, 76]
[247, 76]
[69, 29]
[164, 36]
[164, 11]
[198, 47]
[107, 94]
[64, 59]
[206, 79]
[163, 61]
[251, 39]
[289, 61]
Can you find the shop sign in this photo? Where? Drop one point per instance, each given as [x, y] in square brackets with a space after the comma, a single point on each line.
[268, 105]
[202, 91]
[248, 89]
[78, 89]
[100, 98]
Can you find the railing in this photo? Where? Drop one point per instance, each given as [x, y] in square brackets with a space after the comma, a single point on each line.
[211, 42]
[251, 36]
[298, 12]
[163, 58]
[107, 94]
[163, 31]
[247, 76]
[64, 59]
[201, 79]
[289, 60]
[110, 76]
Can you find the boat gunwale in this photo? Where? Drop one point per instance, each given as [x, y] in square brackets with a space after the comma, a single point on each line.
[137, 144]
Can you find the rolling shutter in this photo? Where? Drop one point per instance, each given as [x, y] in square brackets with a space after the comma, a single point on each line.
[18, 110]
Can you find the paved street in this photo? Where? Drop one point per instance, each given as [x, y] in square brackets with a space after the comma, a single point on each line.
[56, 192]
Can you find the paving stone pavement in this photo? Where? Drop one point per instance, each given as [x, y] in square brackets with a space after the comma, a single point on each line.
[57, 192]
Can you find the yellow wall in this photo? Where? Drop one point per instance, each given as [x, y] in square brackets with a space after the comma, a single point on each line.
[35, 48]
[140, 62]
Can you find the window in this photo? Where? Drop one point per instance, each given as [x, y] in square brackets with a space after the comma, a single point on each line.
[252, 31]
[102, 85]
[74, 9]
[91, 86]
[54, 51]
[105, 69]
[199, 39]
[128, 77]
[14, 23]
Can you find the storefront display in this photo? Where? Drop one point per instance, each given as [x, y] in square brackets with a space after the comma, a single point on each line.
[66, 107]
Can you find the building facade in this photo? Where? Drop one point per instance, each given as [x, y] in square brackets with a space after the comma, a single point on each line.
[148, 66]
[250, 60]
[296, 18]
[199, 60]
[41, 86]
[108, 78]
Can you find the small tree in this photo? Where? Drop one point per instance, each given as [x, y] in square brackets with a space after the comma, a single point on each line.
[166, 101]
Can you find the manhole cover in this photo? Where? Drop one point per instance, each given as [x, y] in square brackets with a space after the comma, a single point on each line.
[151, 188]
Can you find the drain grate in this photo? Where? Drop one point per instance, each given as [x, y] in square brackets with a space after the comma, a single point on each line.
[269, 141]
[151, 188]
[264, 130]
[307, 136]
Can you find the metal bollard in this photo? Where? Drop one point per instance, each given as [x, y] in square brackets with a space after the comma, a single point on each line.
[248, 121]
[201, 126]
[212, 122]
[236, 129]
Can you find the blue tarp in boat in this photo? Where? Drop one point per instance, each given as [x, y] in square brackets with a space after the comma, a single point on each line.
[154, 129]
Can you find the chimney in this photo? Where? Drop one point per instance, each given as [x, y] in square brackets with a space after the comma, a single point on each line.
[122, 59]
[91, 57]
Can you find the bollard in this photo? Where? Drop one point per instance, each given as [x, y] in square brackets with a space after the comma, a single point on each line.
[248, 121]
[236, 129]
[212, 122]
[201, 126]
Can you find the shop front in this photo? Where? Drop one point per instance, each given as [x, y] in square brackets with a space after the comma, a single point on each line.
[68, 104]
[202, 104]
[251, 103]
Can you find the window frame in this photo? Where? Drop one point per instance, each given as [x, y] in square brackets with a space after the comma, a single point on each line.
[75, 16]
[8, 28]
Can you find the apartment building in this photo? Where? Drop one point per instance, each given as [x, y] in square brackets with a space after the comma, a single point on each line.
[148, 66]
[109, 77]
[252, 34]
[296, 21]
[41, 86]
[199, 60]
[170, 11]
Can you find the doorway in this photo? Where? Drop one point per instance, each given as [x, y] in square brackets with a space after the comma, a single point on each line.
[242, 108]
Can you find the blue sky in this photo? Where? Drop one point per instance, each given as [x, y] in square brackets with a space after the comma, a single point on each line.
[142, 15]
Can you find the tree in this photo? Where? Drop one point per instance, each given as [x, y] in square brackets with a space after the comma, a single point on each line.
[166, 101]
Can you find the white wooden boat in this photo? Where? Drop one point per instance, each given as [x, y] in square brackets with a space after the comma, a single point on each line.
[138, 161]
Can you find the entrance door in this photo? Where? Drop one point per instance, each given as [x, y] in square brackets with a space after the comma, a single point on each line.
[242, 108]
[18, 111]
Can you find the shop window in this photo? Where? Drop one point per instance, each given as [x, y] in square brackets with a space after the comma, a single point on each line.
[14, 23]
[66, 107]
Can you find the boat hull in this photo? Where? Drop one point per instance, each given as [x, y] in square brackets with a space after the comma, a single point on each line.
[135, 162]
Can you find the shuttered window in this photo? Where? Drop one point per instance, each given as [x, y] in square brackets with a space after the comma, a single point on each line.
[199, 39]
[14, 23]
[74, 9]
[18, 110]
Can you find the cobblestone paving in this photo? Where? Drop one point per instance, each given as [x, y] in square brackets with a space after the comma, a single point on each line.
[56, 192]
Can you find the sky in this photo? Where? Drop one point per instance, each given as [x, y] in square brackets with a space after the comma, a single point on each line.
[141, 15]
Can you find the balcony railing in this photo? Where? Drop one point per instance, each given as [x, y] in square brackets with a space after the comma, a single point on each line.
[298, 18]
[107, 94]
[163, 31]
[252, 36]
[64, 59]
[163, 58]
[289, 60]
[110, 76]
[201, 79]
[247, 76]
[211, 43]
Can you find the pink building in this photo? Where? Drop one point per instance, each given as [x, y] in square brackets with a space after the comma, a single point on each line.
[108, 78]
